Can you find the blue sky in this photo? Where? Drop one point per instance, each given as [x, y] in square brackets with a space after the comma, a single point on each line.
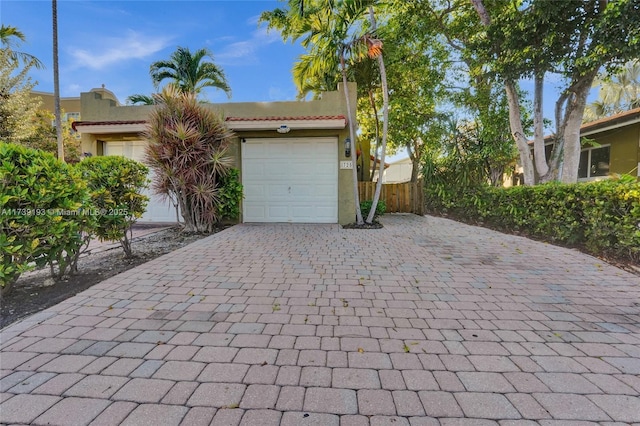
[114, 42]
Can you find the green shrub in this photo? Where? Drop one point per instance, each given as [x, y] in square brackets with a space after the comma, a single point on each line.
[230, 195]
[603, 217]
[115, 185]
[42, 213]
[188, 153]
[365, 207]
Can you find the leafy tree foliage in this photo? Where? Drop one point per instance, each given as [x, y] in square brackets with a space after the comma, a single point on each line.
[10, 39]
[42, 201]
[573, 38]
[115, 184]
[44, 137]
[18, 109]
[619, 91]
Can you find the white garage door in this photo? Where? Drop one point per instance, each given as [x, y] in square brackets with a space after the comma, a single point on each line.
[158, 210]
[290, 180]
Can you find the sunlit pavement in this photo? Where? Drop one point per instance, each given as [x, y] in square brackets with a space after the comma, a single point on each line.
[424, 322]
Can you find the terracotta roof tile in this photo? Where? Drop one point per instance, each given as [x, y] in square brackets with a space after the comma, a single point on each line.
[105, 123]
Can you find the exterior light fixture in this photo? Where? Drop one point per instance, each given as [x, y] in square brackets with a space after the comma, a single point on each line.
[283, 129]
[347, 147]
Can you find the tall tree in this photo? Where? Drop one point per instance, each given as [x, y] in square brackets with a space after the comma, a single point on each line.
[418, 64]
[56, 82]
[573, 38]
[619, 91]
[375, 51]
[11, 38]
[17, 107]
[191, 72]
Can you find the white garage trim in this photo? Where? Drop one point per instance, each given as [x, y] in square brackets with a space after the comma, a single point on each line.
[290, 180]
[293, 123]
[158, 210]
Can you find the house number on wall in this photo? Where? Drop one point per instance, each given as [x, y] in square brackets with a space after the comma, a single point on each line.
[346, 164]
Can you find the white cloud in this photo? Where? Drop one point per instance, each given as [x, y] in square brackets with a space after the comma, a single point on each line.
[112, 50]
[73, 88]
[276, 93]
[245, 51]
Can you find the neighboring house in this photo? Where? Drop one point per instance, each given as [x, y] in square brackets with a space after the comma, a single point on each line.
[291, 155]
[618, 146]
[69, 106]
[398, 171]
[611, 145]
[372, 160]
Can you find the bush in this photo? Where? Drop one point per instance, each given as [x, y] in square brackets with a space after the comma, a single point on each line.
[115, 184]
[365, 207]
[602, 217]
[188, 152]
[42, 213]
[230, 195]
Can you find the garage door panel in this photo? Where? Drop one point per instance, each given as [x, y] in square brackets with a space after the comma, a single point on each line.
[253, 210]
[254, 191]
[325, 191]
[256, 171]
[278, 191]
[298, 180]
[278, 213]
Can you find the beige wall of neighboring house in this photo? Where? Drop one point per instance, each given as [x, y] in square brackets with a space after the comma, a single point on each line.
[67, 104]
[617, 148]
[398, 171]
[104, 120]
[611, 146]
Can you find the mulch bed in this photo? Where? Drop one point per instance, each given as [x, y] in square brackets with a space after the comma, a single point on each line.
[36, 291]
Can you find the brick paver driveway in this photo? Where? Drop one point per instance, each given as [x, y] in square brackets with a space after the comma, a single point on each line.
[424, 322]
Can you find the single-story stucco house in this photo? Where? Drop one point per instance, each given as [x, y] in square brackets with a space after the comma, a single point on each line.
[616, 149]
[611, 145]
[292, 156]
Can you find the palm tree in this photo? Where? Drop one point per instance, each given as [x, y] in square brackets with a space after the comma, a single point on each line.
[141, 99]
[10, 38]
[191, 72]
[329, 32]
[56, 82]
[375, 51]
[619, 91]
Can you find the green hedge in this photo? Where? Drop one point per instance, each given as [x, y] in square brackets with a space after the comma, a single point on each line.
[115, 184]
[365, 208]
[230, 195]
[49, 211]
[42, 219]
[602, 217]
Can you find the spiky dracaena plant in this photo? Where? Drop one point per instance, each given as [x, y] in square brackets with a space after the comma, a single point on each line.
[187, 152]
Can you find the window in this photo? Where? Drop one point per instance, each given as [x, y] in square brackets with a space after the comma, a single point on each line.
[594, 162]
[71, 116]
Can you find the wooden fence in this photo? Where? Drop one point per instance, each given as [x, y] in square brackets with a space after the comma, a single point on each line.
[399, 197]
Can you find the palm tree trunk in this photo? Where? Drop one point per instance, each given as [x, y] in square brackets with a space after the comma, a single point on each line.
[385, 123]
[56, 82]
[374, 109]
[352, 135]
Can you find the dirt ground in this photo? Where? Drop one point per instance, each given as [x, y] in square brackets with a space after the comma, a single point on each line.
[36, 291]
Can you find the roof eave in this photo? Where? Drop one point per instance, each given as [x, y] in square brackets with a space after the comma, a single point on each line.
[248, 125]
